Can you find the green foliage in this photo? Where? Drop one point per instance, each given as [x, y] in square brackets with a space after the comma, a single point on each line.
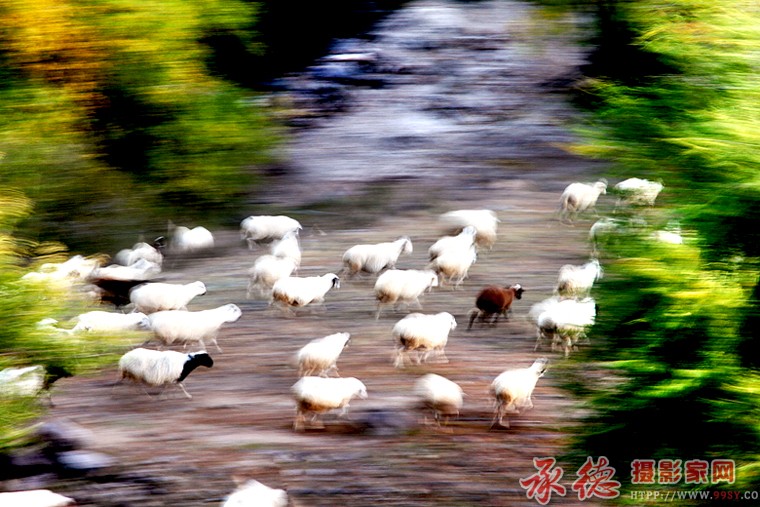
[113, 124]
[674, 340]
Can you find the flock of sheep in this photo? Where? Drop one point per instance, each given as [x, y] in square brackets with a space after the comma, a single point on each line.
[161, 308]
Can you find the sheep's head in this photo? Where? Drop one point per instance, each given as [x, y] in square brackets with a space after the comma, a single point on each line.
[232, 312]
[540, 366]
[406, 247]
[335, 280]
[518, 290]
[601, 186]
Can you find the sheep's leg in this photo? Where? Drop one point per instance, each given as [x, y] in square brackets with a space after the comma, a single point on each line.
[299, 421]
[538, 340]
[442, 356]
[187, 395]
[213, 340]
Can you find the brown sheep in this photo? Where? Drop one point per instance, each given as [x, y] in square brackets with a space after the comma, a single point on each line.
[493, 301]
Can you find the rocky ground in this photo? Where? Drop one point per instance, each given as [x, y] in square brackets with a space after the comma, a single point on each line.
[460, 106]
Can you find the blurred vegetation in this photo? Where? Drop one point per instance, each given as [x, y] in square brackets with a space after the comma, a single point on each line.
[673, 89]
[113, 123]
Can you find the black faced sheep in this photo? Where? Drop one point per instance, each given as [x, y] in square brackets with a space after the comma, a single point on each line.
[493, 301]
[397, 286]
[184, 327]
[424, 334]
[161, 367]
[159, 296]
[317, 395]
[580, 197]
[375, 257]
[513, 389]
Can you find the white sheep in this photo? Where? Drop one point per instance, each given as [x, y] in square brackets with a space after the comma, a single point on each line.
[319, 356]
[576, 281]
[161, 367]
[563, 321]
[453, 266]
[397, 286]
[317, 395]
[190, 241]
[31, 380]
[265, 272]
[258, 228]
[101, 321]
[295, 291]
[638, 192]
[513, 389]
[580, 197]
[439, 394]
[159, 296]
[485, 222]
[64, 275]
[287, 247]
[461, 242]
[424, 334]
[374, 258]
[35, 498]
[150, 252]
[255, 494]
[184, 327]
[141, 270]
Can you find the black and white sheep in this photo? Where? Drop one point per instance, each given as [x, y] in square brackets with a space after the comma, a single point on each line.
[485, 222]
[576, 281]
[260, 228]
[319, 356]
[513, 389]
[255, 494]
[102, 321]
[190, 328]
[265, 272]
[396, 286]
[161, 367]
[295, 291]
[154, 297]
[580, 197]
[318, 395]
[440, 395]
[493, 301]
[637, 192]
[424, 334]
[376, 257]
[563, 322]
